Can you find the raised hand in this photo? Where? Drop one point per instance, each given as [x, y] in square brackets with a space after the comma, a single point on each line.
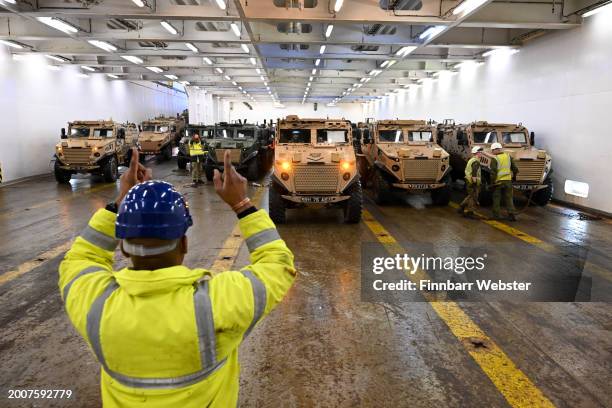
[136, 173]
[231, 186]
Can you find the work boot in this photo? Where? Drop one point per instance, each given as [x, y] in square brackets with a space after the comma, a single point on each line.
[511, 217]
[460, 210]
[469, 214]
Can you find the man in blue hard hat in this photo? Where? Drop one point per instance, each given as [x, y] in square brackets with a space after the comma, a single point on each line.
[164, 334]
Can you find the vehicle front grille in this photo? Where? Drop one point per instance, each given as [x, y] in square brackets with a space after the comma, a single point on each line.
[74, 155]
[150, 146]
[313, 179]
[234, 155]
[529, 170]
[420, 169]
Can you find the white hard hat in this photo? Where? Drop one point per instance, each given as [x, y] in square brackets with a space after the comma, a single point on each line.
[496, 146]
[476, 149]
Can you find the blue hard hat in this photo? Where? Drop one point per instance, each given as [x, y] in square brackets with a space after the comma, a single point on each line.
[153, 209]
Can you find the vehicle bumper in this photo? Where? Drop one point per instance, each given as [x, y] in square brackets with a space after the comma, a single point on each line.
[315, 199]
[79, 167]
[418, 186]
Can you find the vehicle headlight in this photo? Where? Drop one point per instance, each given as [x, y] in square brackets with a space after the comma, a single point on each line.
[345, 165]
[285, 165]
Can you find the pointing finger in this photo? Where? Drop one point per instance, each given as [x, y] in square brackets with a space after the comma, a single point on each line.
[227, 162]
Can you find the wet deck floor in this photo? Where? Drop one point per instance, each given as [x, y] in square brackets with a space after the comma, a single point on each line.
[323, 346]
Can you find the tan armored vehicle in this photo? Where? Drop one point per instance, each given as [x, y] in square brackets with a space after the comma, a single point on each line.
[534, 165]
[314, 165]
[401, 155]
[157, 136]
[95, 147]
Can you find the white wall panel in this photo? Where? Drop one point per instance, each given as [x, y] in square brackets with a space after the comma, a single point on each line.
[267, 110]
[35, 103]
[559, 86]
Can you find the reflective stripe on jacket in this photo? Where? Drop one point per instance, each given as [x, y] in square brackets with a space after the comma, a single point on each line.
[469, 170]
[169, 337]
[504, 171]
[195, 149]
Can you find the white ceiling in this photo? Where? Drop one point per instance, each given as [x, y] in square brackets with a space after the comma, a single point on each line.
[283, 39]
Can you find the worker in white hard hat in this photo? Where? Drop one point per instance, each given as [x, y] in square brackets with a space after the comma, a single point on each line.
[472, 181]
[503, 170]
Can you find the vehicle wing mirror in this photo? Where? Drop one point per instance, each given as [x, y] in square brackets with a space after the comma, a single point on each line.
[532, 138]
[64, 136]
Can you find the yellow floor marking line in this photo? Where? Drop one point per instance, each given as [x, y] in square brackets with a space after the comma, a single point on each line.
[511, 382]
[227, 256]
[545, 246]
[30, 265]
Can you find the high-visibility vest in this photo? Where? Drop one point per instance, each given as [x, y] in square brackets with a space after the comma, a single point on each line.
[504, 171]
[468, 170]
[195, 149]
[170, 337]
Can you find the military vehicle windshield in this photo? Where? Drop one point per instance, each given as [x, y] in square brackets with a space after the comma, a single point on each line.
[419, 136]
[79, 132]
[155, 128]
[223, 133]
[332, 136]
[103, 132]
[203, 133]
[514, 137]
[245, 133]
[294, 136]
[485, 136]
[391, 136]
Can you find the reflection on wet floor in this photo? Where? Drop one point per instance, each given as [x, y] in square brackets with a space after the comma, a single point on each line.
[324, 345]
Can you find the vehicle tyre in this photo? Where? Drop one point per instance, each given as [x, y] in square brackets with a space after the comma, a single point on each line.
[352, 207]
[543, 196]
[441, 196]
[382, 188]
[167, 152]
[111, 170]
[209, 171]
[277, 206]
[181, 162]
[252, 172]
[62, 176]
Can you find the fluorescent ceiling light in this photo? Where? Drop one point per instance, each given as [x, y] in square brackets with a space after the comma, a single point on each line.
[597, 10]
[240, 88]
[235, 29]
[265, 84]
[258, 70]
[10, 1]
[53, 67]
[234, 83]
[170, 76]
[322, 49]
[262, 77]
[58, 24]
[314, 71]
[155, 69]
[385, 63]
[338, 5]
[362, 80]
[500, 52]
[374, 72]
[191, 47]
[56, 58]
[367, 79]
[431, 31]
[12, 44]
[185, 82]
[227, 77]
[245, 48]
[468, 64]
[467, 6]
[221, 4]
[169, 27]
[328, 31]
[139, 3]
[253, 61]
[219, 70]
[83, 75]
[112, 76]
[86, 68]
[207, 60]
[103, 45]
[309, 83]
[310, 79]
[317, 62]
[402, 52]
[132, 59]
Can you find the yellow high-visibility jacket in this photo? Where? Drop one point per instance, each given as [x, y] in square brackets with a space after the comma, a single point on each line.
[170, 337]
[195, 149]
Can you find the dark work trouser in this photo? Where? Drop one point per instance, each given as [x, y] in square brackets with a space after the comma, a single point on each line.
[503, 189]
